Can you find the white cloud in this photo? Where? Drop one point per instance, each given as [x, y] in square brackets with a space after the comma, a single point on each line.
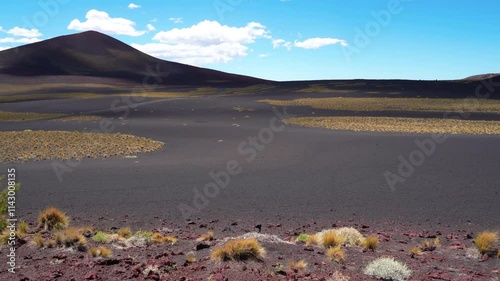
[101, 21]
[204, 43]
[212, 32]
[176, 20]
[4, 48]
[151, 27]
[315, 43]
[264, 55]
[23, 32]
[280, 42]
[19, 40]
[133, 6]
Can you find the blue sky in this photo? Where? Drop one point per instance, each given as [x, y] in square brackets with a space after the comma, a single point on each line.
[283, 40]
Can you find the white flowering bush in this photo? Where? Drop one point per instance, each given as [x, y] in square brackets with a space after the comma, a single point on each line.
[388, 269]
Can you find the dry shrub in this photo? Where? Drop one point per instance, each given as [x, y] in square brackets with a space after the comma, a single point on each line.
[239, 250]
[332, 239]
[415, 251]
[105, 252]
[71, 237]
[38, 240]
[158, 238]
[336, 254]
[370, 242]
[485, 241]
[298, 265]
[52, 218]
[312, 240]
[124, 232]
[209, 236]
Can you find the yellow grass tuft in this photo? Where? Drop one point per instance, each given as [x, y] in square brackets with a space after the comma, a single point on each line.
[370, 242]
[71, 237]
[94, 252]
[312, 240]
[296, 266]
[105, 252]
[336, 254]
[124, 232]
[52, 218]
[239, 250]
[209, 236]
[498, 254]
[485, 241]
[190, 257]
[159, 238]
[23, 228]
[416, 251]
[38, 240]
[332, 239]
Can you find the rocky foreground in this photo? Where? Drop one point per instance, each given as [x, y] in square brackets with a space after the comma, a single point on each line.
[183, 252]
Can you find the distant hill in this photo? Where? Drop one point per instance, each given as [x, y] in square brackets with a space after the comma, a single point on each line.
[94, 54]
[480, 77]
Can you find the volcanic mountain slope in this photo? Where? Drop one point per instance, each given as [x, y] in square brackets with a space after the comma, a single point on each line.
[91, 53]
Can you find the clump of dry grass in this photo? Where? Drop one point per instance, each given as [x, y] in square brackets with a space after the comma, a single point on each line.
[159, 238]
[312, 240]
[336, 254]
[209, 236]
[52, 218]
[485, 241]
[298, 265]
[336, 236]
[101, 251]
[428, 245]
[124, 232]
[23, 228]
[371, 242]
[332, 239]
[239, 250]
[105, 252]
[94, 252]
[71, 237]
[191, 257]
[415, 251]
[498, 254]
[38, 240]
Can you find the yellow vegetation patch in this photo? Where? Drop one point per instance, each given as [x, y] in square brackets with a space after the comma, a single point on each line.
[26, 116]
[401, 125]
[18, 146]
[209, 236]
[318, 88]
[52, 218]
[371, 242]
[336, 254]
[80, 118]
[485, 241]
[298, 265]
[395, 104]
[26, 97]
[239, 250]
